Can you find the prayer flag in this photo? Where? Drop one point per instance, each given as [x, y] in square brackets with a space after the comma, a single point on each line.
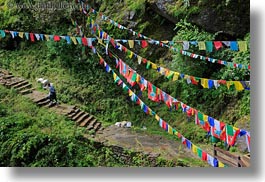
[217, 45]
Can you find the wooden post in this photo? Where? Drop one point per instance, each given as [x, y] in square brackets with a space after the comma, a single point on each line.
[238, 161]
[214, 150]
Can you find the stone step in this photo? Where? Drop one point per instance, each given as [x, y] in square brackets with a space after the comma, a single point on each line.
[86, 121]
[20, 84]
[8, 76]
[78, 115]
[46, 102]
[27, 91]
[40, 100]
[24, 87]
[72, 110]
[97, 126]
[74, 113]
[101, 128]
[14, 83]
[81, 119]
[6, 72]
[91, 124]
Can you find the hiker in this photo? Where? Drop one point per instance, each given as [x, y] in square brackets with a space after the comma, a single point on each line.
[52, 94]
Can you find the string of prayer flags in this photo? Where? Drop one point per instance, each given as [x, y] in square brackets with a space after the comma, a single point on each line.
[212, 126]
[207, 157]
[212, 60]
[217, 44]
[56, 38]
[185, 53]
[202, 45]
[206, 83]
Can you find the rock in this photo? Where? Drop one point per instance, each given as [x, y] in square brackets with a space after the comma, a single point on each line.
[232, 17]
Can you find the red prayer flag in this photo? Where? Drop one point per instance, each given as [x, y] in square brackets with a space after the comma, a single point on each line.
[84, 41]
[217, 45]
[193, 80]
[204, 156]
[152, 92]
[144, 44]
[179, 135]
[56, 38]
[31, 37]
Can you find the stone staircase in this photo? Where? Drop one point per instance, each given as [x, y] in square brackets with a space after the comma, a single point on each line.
[83, 119]
[22, 86]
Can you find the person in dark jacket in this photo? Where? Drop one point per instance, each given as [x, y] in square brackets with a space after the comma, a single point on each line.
[52, 94]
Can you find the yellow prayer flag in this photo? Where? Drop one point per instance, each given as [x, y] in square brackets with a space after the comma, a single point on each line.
[220, 164]
[165, 41]
[139, 59]
[205, 117]
[157, 117]
[176, 76]
[131, 43]
[202, 45]
[131, 54]
[235, 128]
[47, 37]
[194, 149]
[238, 85]
[130, 93]
[138, 78]
[242, 45]
[228, 84]
[114, 76]
[204, 82]
[154, 66]
[74, 40]
[20, 34]
[170, 131]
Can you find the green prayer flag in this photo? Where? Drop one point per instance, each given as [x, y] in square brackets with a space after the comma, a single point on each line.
[170, 75]
[199, 152]
[200, 116]
[79, 40]
[117, 79]
[148, 65]
[209, 46]
[3, 34]
[134, 76]
[229, 130]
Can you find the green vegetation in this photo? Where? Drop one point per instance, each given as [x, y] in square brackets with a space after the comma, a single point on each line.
[31, 136]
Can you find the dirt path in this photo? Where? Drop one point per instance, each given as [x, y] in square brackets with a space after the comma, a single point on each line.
[124, 137]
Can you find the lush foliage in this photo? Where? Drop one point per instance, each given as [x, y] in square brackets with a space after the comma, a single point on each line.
[32, 136]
